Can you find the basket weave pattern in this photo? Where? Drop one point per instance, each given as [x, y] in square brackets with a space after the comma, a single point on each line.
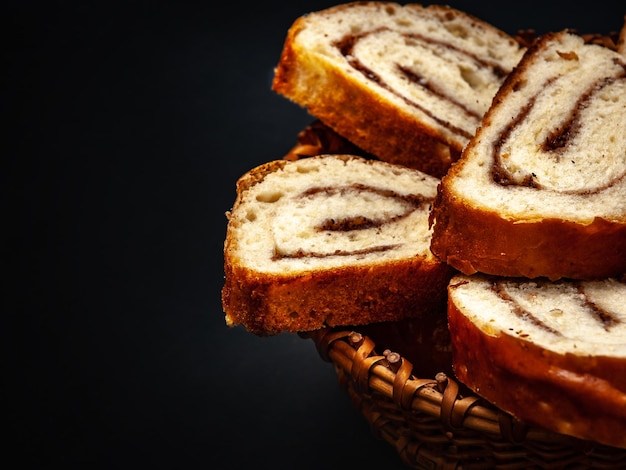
[432, 426]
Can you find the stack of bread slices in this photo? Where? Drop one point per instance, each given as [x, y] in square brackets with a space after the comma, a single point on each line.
[458, 170]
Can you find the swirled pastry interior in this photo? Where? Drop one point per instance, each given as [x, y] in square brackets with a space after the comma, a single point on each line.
[550, 353]
[408, 84]
[330, 240]
[541, 189]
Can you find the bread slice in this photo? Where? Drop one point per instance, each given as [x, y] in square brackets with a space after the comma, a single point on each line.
[550, 353]
[330, 240]
[541, 189]
[408, 84]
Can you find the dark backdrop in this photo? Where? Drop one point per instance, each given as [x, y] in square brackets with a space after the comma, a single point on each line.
[129, 123]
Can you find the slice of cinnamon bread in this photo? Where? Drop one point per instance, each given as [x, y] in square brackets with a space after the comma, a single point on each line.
[330, 240]
[552, 354]
[408, 84]
[541, 189]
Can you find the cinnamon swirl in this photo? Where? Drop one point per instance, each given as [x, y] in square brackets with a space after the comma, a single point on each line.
[330, 240]
[408, 84]
[550, 353]
[541, 189]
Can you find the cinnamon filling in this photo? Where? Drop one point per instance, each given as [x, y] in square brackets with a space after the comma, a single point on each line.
[401, 207]
[556, 145]
[347, 45]
[605, 318]
[500, 290]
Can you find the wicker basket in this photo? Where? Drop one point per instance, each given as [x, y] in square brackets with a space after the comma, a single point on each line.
[437, 423]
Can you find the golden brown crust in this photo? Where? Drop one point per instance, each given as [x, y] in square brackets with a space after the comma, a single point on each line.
[476, 240]
[270, 304]
[564, 393]
[257, 175]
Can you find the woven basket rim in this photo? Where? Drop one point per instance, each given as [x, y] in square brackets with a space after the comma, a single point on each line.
[387, 376]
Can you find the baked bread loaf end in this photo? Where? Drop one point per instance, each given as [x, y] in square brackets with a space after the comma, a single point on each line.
[541, 189]
[408, 84]
[551, 354]
[330, 240]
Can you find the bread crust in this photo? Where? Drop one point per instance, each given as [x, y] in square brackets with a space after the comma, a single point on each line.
[354, 295]
[475, 240]
[566, 393]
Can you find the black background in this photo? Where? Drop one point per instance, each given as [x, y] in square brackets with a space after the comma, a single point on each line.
[128, 125]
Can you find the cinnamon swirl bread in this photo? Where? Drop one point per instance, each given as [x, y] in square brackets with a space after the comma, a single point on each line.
[550, 353]
[541, 189]
[408, 84]
[330, 240]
